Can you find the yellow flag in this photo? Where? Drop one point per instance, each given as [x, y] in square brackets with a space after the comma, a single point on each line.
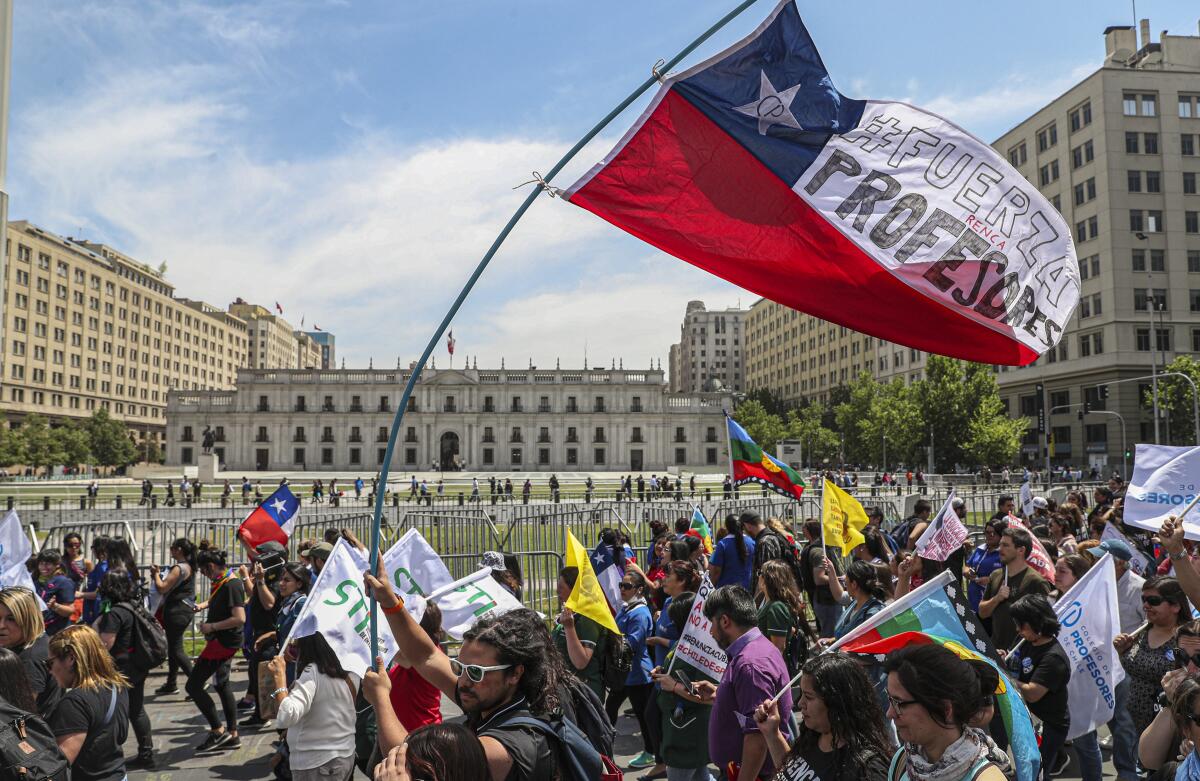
[587, 599]
[843, 518]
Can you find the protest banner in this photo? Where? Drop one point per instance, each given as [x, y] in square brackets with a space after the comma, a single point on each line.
[1164, 483]
[467, 600]
[944, 534]
[696, 646]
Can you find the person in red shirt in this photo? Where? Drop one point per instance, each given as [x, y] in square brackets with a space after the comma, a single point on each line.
[416, 701]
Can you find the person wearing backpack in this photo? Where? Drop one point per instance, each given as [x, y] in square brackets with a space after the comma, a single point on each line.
[506, 678]
[91, 721]
[116, 627]
[27, 746]
[636, 624]
[580, 641]
[23, 632]
[781, 615]
[178, 590]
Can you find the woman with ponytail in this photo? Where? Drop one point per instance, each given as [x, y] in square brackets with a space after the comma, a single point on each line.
[932, 697]
[733, 556]
[867, 596]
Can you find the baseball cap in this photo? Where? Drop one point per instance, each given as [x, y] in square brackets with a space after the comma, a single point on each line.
[1118, 548]
[320, 551]
[958, 502]
[271, 547]
[1040, 502]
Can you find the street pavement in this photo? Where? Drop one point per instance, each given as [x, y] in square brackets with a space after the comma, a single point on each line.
[179, 728]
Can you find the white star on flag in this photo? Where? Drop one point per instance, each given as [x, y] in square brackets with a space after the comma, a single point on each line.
[772, 107]
[279, 505]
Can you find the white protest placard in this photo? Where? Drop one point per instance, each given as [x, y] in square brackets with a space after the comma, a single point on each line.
[1027, 498]
[1089, 621]
[469, 599]
[415, 570]
[696, 646]
[1165, 479]
[338, 609]
[943, 535]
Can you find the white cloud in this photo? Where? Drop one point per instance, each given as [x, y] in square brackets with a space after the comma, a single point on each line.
[371, 241]
[993, 111]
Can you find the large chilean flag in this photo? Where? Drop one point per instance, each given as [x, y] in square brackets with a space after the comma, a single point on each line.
[875, 215]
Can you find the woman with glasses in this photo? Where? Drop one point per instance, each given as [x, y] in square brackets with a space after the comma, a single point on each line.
[932, 696]
[1043, 672]
[317, 712]
[92, 720]
[23, 632]
[636, 624]
[75, 565]
[841, 734]
[1148, 655]
[1159, 746]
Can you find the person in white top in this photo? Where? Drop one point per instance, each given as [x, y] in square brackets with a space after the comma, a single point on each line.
[318, 712]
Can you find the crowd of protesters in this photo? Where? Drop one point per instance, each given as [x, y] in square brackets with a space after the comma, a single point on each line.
[785, 707]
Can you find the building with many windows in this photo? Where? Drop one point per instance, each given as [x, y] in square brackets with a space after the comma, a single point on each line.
[87, 327]
[709, 350]
[325, 342]
[1119, 155]
[502, 420]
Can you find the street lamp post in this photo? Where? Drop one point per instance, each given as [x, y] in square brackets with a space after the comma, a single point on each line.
[884, 452]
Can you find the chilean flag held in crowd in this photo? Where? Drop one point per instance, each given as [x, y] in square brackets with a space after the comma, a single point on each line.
[875, 215]
[273, 520]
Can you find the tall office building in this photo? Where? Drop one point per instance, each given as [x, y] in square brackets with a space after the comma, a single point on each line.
[1117, 154]
[272, 342]
[709, 351]
[325, 341]
[87, 327]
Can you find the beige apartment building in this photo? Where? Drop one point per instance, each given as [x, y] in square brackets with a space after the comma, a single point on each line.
[87, 327]
[709, 355]
[1119, 155]
[273, 343]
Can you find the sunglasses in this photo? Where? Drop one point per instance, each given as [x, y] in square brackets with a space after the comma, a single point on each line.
[627, 587]
[475, 672]
[1153, 600]
[1182, 658]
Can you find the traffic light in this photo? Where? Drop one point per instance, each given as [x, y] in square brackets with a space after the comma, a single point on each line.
[1087, 406]
[1128, 453]
[1102, 391]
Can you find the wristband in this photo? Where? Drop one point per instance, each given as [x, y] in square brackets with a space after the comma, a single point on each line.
[279, 691]
[1177, 556]
[394, 609]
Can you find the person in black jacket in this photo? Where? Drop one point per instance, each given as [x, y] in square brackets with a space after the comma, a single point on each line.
[116, 633]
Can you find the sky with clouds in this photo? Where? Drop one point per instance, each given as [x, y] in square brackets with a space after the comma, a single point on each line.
[353, 160]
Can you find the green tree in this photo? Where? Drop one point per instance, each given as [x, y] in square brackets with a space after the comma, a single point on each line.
[818, 443]
[772, 402]
[42, 449]
[992, 436]
[152, 452]
[108, 440]
[1175, 397]
[12, 445]
[858, 400]
[950, 396]
[763, 427]
[73, 442]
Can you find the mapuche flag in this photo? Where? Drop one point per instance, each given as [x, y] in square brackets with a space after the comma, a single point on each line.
[273, 520]
[937, 612]
[749, 464]
[752, 166]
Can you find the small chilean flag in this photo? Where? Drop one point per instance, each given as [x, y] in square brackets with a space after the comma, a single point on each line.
[273, 520]
[875, 215]
[450, 342]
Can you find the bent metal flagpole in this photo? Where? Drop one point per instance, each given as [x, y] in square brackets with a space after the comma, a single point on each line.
[542, 183]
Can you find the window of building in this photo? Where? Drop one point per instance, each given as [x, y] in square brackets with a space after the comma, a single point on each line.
[298, 456]
[1018, 155]
[1129, 105]
[1189, 183]
[489, 456]
[1085, 191]
[710, 455]
[410, 456]
[572, 456]
[1154, 221]
[1047, 137]
[1150, 143]
[598, 456]
[1132, 145]
[543, 455]
[1191, 222]
[1061, 398]
[1135, 181]
[1187, 145]
[1153, 182]
[1193, 260]
[1081, 117]
[1196, 340]
[1188, 106]
[1048, 173]
[1149, 105]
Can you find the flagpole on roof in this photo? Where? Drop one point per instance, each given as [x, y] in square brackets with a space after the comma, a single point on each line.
[542, 183]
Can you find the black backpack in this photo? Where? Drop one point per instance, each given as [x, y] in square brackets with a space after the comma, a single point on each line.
[581, 705]
[148, 638]
[578, 758]
[796, 650]
[618, 660]
[28, 749]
